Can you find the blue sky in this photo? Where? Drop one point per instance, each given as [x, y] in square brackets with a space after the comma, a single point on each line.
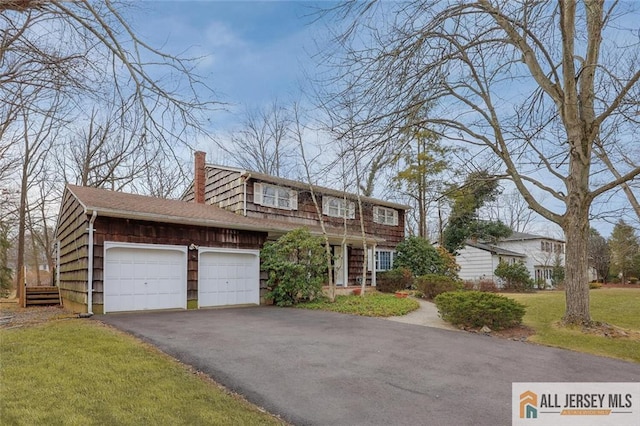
[253, 51]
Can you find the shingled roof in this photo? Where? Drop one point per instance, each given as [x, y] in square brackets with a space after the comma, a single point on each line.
[522, 236]
[141, 207]
[494, 249]
[320, 190]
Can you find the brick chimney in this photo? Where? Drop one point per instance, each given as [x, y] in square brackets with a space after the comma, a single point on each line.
[199, 178]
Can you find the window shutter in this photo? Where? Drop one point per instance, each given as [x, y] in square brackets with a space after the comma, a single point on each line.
[395, 217]
[351, 210]
[257, 193]
[293, 200]
[370, 260]
[325, 206]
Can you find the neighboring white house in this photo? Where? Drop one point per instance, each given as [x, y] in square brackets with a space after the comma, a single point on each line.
[478, 260]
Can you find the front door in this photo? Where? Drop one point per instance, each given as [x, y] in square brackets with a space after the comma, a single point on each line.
[339, 265]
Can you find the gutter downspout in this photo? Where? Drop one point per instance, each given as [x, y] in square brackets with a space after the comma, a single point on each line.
[90, 265]
[374, 278]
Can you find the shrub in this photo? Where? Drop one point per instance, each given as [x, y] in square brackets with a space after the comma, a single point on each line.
[296, 266]
[541, 283]
[470, 285]
[488, 285]
[419, 256]
[432, 285]
[450, 267]
[594, 285]
[557, 275]
[516, 276]
[476, 309]
[394, 280]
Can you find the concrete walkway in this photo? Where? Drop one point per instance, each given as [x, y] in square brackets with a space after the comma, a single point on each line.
[426, 315]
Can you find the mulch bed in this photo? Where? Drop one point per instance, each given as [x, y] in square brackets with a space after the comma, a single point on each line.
[520, 333]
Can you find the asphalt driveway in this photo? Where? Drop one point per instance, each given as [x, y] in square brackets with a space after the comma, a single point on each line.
[322, 368]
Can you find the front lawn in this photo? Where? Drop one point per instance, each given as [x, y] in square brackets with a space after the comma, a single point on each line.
[615, 306]
[371, 305]
[80, 372]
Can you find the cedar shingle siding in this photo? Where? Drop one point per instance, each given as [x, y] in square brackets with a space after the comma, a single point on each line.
[225, 188]
[73, 224]
[135, 231]
[74, 238]
[228, 218]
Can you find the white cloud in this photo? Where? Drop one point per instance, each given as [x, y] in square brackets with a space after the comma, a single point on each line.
[219, 35]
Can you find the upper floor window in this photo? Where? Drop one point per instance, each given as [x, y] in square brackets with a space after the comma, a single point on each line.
[338, 207]
[275, 196]
[385, 216]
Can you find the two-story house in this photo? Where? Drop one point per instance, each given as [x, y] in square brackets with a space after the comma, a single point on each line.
[270, 198]
[127, 252]
[478, 260]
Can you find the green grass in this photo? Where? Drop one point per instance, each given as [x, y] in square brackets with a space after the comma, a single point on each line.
[80, 372]
[371, 305]
[615, 306]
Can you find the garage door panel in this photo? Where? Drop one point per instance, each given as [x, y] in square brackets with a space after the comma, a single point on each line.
[231, 278]
[139, 278]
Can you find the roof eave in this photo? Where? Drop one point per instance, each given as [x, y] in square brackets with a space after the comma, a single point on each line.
[151, 217]
[211, 223]
[320, 189]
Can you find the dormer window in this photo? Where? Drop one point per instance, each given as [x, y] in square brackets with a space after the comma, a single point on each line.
[275, 196]
[385, 216]
[338, 207]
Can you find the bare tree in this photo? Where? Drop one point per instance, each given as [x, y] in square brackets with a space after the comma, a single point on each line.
[36, 134]
[264, 142]
[104, 154]
[511, 209]
[298, 134]
[531, 83]
[164, 178]
[87, 56]
[625, 153]
[102, 57]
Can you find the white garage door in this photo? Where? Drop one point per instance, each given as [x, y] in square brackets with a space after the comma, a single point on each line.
[228, 277]
[144, 276]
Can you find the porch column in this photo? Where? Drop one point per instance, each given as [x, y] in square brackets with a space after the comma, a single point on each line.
[373, 268]
[345, 265]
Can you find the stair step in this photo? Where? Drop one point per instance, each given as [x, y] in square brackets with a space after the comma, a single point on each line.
[41, 289]
[42, 296]
[43, 302]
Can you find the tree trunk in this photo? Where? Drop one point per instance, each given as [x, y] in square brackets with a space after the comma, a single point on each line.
[576, 231]
[20, 273]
